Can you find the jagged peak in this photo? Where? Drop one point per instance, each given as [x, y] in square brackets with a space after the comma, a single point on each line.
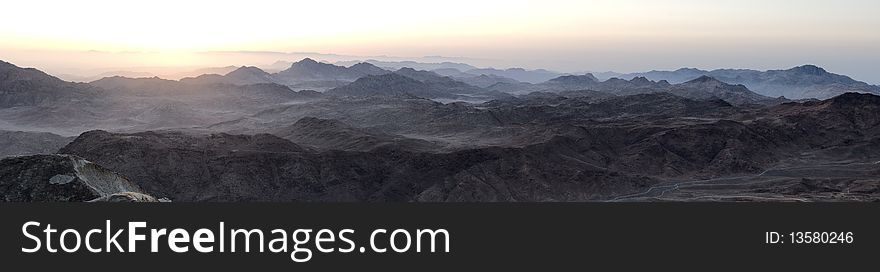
[576, 78]
[363, 64]
[406, 70]
[307, 61]
[688, 69]
[704, 79]
[247, 69]
[809, 69]
[641, 80]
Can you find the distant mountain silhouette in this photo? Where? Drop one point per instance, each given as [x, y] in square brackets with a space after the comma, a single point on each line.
[451, 72]
[31, 87]
[201, 71]
[365, 68]
[706, 87]
[438, 80]
[421, 75]
[575, 80]
[427, 66]
[311, 70]
[519, 74]
[241, 76]
[155, 85]
[802, 82]
[393, 84]
[411, 82]
[90, 78]
[305, 74]
[701, 88]
[249, 75]
[481, 80]
[485, 81]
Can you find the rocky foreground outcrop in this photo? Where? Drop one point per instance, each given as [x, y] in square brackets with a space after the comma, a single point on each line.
[63, 178]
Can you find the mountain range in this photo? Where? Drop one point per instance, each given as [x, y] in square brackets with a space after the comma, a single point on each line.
[802, 82]
[701, 88]
[306, 73]
[417, 135]
[427, 66]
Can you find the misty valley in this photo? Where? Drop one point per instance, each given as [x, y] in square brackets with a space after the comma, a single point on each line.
[440, 132]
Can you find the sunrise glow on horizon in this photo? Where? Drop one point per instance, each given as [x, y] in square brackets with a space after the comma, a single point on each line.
[564, 35]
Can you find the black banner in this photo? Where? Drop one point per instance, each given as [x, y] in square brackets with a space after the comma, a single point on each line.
[481, 236]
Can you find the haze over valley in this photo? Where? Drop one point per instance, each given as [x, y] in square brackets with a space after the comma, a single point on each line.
[201, 107]
[323, 132]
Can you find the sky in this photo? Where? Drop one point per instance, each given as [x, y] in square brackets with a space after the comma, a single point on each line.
[568, 36]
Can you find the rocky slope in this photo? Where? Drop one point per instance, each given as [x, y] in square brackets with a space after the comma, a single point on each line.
[439, 82]
[705, 87]
[267, 168]
[31, 87]
[591, 150]
[388, 85]
[51, 178]
[485, 81]
[327, 134]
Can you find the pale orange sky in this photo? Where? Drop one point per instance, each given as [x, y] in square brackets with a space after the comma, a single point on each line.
[624, 35]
